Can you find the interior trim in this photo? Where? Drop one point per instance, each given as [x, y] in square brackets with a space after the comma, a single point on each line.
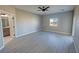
[59, 32]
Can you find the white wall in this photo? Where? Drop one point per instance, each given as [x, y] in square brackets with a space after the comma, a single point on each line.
[64, 22]
[26, 22]
[76, 28]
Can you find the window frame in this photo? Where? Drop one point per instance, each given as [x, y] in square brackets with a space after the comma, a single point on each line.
[53, 22]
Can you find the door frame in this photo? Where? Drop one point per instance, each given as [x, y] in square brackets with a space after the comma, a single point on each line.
[12, 24]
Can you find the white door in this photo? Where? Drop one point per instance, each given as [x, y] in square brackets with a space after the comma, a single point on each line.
[1, 35]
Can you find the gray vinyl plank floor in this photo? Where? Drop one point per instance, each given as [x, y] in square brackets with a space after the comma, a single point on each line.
[41, 42]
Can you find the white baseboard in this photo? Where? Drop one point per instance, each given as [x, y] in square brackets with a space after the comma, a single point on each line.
[64, 33]
[24, 34]
[59, 32]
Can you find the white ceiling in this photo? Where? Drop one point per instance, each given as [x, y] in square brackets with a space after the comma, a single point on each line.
[51, 10]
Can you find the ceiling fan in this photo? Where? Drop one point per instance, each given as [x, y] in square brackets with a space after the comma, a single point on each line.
[43, 8]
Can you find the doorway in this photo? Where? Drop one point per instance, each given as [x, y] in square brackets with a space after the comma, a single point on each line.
[7, 27]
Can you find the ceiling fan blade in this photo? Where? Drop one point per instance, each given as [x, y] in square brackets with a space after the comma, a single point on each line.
[47, 7]
[39, 7]
[43, 8]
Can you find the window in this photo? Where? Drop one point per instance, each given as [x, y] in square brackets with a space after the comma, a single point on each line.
[53, 22]
[5, 22]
